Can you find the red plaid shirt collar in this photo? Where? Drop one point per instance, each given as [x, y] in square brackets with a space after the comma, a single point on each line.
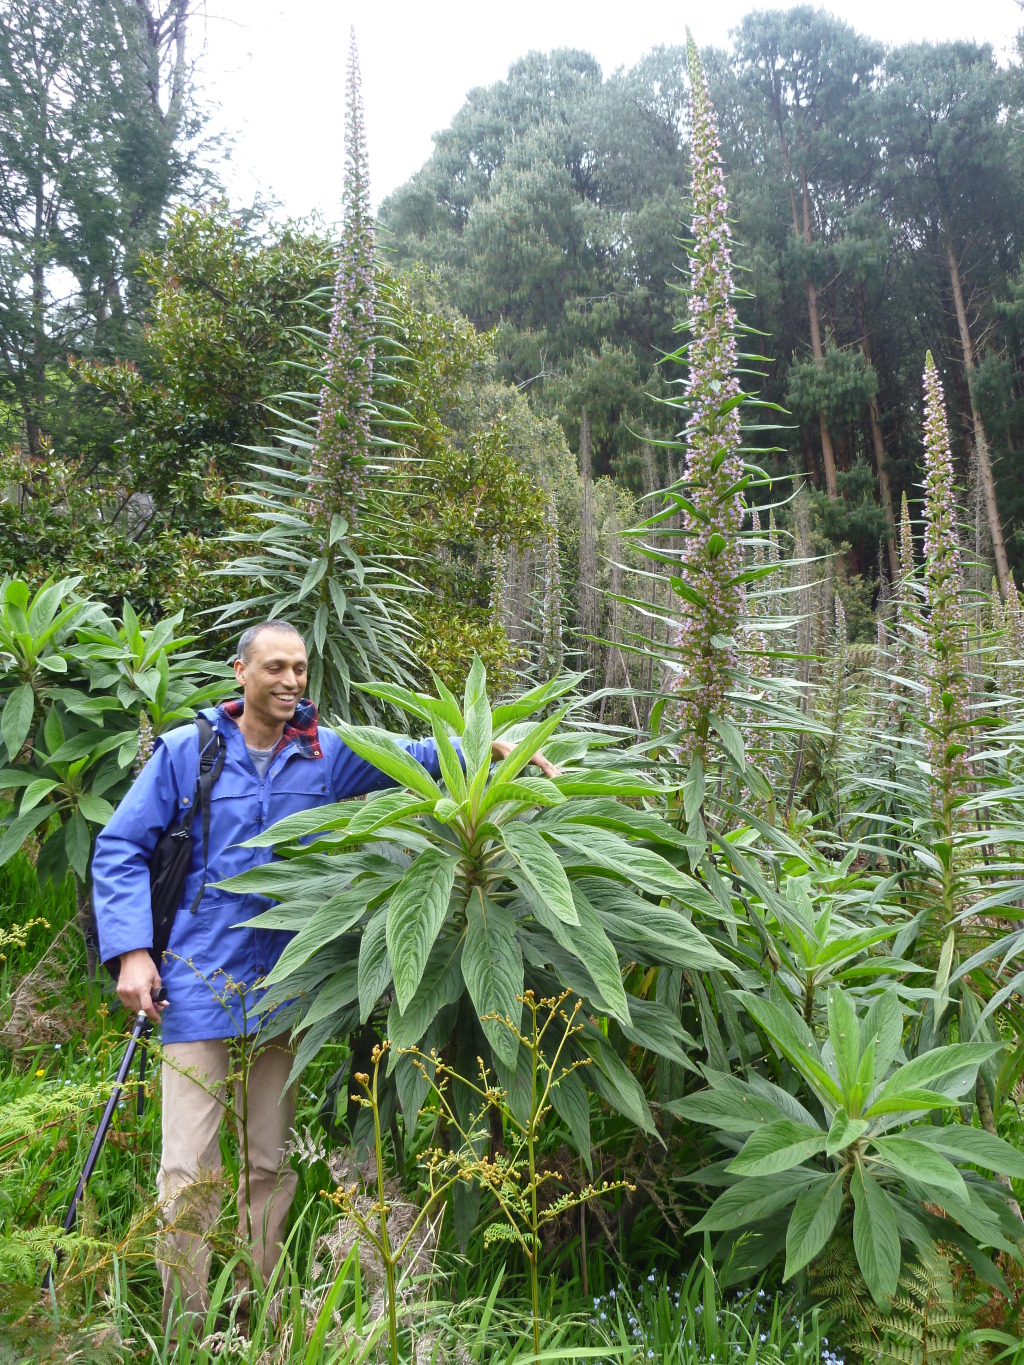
[302, 730]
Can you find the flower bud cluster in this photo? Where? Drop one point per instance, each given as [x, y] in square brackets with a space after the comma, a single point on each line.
[343, 426]
[711, 554]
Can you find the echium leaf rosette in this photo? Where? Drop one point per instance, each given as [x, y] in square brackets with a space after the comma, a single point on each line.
[711, 555]
[343, 424]
[946, 683]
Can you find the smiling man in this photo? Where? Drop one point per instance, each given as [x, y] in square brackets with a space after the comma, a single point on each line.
[274, 759]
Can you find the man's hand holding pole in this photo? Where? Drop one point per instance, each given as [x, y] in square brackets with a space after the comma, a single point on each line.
[138, 982]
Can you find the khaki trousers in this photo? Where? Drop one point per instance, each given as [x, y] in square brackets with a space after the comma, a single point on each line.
[194, 1079]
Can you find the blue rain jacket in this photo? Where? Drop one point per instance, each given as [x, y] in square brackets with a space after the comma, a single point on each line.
[208, 959]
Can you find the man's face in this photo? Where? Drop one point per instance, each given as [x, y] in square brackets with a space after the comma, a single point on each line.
[274, 676]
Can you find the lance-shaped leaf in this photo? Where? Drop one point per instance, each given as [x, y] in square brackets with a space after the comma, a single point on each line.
[793, 1039]
[973, 1145]
[570, 1102]
[476, 736]
[380, 749]
[956, 1065]
[730, 1108]
[538, 862]
[510, 767]
[416, 911]
[492, 964]
[750, 1201]
[917, 1161]
[441, 984]
[778, 1146]
[638, 865]
[811, 1223]
[374, 975]
[876, 1238]
[844, 1034]
[588, 942]
[844, 1130]
[17, 718]
[334, 918]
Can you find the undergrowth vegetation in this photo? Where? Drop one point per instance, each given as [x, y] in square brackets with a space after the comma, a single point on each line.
[704, 1047]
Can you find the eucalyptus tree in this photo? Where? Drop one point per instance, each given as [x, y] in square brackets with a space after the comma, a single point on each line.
[810, 72]
[94, 108]
[951, 150]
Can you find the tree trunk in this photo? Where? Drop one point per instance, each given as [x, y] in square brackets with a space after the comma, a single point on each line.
[828, 458]
[980, 441]
[878, 441]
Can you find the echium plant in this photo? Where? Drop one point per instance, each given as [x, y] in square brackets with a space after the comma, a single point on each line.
[711, 558]
[429, 910]
[343, 424]
[848, 1122]
[946, 681]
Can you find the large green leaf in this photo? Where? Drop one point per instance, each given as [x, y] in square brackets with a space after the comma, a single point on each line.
[77, 844]
[416, 911]
[811, 1223]
[89, 744]
[957, 1062]
[876, 1238]
[538, 862]
[18, 830]
[374, 976]
[335, 917]
[16, 720]
[641, 866]
[448, 758]
[492, 965]
[605, 782]
[778, 1146]
[533, 700]
[441, 984]
[612, 1078]
[922, 1163]
[588, 942]
[843, 1130]
[509, 768]
[730, 1108]
[654, 934]
[973, 1145]
[794, 1040]
[341, 989]
[476, 734]
[380, 749]
[844, 1035]
[571, 1104]
[750, 1201]
[34, 792]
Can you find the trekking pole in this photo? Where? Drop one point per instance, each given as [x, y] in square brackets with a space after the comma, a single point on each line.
[140, 1030]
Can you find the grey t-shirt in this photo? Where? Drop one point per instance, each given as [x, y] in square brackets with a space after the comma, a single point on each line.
[260, 760]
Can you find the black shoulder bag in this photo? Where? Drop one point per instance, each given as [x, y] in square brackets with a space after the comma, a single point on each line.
[168, 867]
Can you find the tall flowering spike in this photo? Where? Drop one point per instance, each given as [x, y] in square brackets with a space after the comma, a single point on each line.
[343, 426]
[711, 555]
[947, 680]
[551, 651]
[1014, 619]
[838, 680]
[146, 743]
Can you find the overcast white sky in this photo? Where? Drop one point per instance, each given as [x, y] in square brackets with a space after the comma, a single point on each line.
[276, 68]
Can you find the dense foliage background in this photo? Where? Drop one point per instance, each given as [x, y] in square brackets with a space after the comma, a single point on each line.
[675, 433]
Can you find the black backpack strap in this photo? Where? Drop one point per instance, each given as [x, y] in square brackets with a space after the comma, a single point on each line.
[211, 760]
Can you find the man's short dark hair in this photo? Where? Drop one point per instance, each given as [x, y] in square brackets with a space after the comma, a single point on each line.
[248, 636]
